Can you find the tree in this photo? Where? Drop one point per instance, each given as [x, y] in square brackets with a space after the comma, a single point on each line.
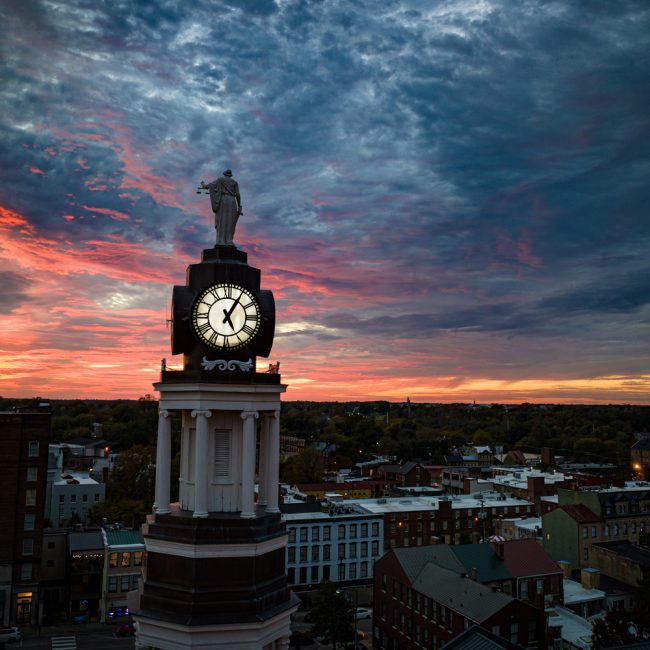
[332, 615]
[306, 467]
[134, 476]
[615, 629]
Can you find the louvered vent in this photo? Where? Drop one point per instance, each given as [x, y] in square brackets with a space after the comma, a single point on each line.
[222, 453]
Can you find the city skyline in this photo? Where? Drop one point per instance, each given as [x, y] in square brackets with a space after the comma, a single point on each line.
[447, 201]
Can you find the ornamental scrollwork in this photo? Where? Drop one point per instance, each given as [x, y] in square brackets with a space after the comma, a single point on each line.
[223, 364]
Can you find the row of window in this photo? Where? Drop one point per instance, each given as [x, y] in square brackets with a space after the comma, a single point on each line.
[127, 583]
[316, 574]
[344, 551]
[124, 559]
[615, 530]
[345, 531]
[84, 498]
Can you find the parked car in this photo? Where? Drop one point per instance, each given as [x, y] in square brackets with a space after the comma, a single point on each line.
[126, 629]
[10, 634]
[363, 612]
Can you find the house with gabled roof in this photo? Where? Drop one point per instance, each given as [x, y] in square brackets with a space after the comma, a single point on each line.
[424, 596]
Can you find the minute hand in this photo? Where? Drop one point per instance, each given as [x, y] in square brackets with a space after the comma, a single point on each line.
[228, 313]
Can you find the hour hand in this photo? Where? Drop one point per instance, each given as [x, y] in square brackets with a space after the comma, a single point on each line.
[226, 318]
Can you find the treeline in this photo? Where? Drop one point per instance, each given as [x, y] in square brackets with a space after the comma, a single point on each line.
[406, 431]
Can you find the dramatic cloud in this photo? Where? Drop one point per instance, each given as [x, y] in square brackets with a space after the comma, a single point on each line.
[449, 200]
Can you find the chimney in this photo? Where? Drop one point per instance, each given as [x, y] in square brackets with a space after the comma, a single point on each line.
[565, 565]
[590, 578]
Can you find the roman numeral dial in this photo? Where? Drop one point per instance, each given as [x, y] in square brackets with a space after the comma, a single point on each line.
[226, 317]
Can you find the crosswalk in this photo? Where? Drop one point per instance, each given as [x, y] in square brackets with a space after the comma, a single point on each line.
[64, 642]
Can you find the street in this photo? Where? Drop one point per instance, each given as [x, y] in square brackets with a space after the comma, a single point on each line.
[85, 640]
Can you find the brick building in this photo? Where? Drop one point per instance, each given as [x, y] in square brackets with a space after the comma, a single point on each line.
[423, 598]
[24, 438]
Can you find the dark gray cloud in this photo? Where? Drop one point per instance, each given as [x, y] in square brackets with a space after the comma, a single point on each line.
[14, 291]
[480, 167]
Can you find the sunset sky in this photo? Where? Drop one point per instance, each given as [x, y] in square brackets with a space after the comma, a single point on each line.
[449, 199]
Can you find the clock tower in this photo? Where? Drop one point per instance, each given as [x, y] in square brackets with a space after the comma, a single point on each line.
[215, 575]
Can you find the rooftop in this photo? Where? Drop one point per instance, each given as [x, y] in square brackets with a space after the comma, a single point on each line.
[91, 540]
[526, 557]
[115, 538]
[575, 593]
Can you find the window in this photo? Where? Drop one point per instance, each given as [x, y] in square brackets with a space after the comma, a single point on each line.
[292, 535]
[342, 531]
[84, 498]
[540, 586]
[315, 534]
[28, 547]
[112, 584]
[585, 532]
[73, 498]
[514, 632]
[327, 530]
[364, 569]
[97, 498]
[593, 531]
[315, 553]
[364, 549]
[353, 549]
[585, 553]
[112, 560]
[29, 521]
[124, 583]
[291, 554]
[364, 530]
[375, 548]
[314, 574]
[135, 579]
[32, 474]
[341, 551]
[326, 552]
[61, 498]
[126, 559]
[30, 497]
[524, 589]
[303, 553]
[353, 571]
[341, 572]
[33, 448]
[26, 571]
[532, 630]
[303, 534]
[51, 545]
[383, 582]
[353, 531]
[137, 558]
[221, 454]
[375, 529]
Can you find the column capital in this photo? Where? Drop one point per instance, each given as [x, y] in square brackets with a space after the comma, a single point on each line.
[249, 414]
[205, 413]
[271, 414]
[164, 414]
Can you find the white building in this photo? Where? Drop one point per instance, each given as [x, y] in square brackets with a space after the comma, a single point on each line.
[338, 542]
[71, 495]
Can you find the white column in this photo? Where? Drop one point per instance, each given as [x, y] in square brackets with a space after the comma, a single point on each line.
[248, 465]
[201, 463]
[273, 463]
[264, 450]
[163, 463]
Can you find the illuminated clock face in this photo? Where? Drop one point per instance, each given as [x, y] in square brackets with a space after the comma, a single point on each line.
[226, 316]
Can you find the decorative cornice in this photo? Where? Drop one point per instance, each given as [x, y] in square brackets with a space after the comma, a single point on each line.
[165, 547]
[223, 364]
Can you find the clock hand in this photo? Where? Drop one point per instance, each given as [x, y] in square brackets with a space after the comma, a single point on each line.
[227, 319]
[228, 313]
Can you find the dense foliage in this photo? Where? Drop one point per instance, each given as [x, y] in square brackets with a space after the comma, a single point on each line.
[332, 615]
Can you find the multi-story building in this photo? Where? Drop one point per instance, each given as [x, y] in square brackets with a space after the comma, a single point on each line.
[123, 561]
[348, 489]
[590, 516]
[72, 495]
[54, 575]
[291, 446]
[530, 484]
[24, 437]
[423, 598]
[410, 474]
[419, 521]
[86, 572]
[339, 542]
